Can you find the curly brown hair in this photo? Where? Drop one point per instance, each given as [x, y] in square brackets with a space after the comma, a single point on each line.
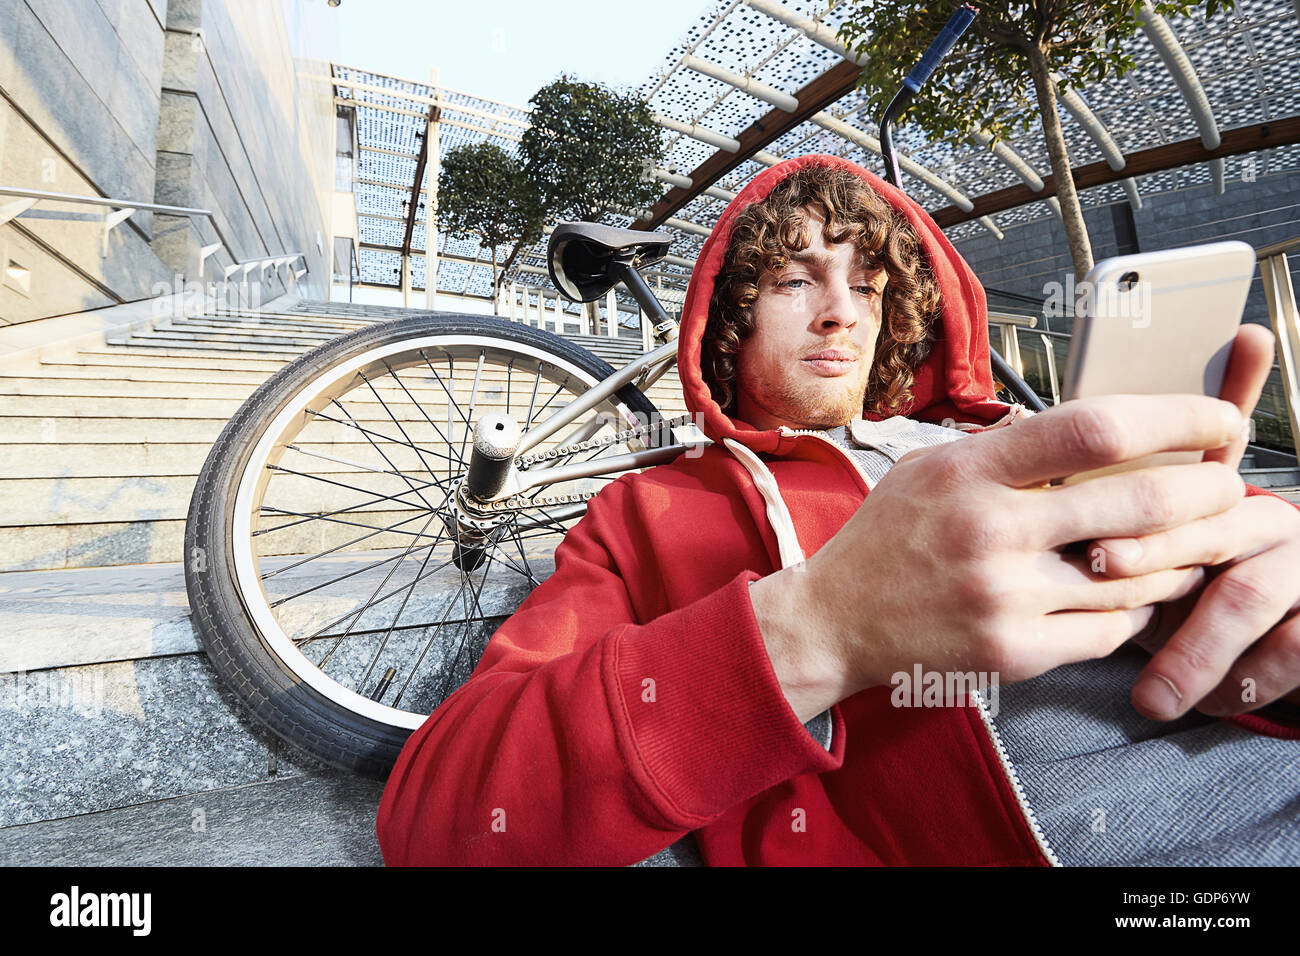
[768, 231]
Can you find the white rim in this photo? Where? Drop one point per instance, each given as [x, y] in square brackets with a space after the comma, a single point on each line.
[246, 572]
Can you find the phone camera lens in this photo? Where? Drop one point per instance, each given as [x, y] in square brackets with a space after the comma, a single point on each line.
[1127, 281]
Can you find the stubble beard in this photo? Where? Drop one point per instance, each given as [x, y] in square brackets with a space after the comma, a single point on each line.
[810, 404]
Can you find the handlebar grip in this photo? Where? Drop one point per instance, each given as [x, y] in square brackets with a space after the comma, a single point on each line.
[939, 48]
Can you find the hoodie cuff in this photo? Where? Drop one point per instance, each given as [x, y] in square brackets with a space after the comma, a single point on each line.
[704, 721]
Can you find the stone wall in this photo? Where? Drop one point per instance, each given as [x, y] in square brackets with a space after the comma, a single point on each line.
[1260, 206]
[184, 102]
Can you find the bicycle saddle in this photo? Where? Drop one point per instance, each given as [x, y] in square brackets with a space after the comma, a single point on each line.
[580, 255]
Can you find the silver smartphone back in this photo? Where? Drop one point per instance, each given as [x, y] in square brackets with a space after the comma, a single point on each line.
[1158, 323]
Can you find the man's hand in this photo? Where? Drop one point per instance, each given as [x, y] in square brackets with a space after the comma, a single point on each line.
[955, 560]
[1235, 645]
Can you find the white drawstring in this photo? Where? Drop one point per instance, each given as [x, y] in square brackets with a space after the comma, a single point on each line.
[777, 512]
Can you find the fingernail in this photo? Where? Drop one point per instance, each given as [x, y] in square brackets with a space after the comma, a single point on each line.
[1158, 697]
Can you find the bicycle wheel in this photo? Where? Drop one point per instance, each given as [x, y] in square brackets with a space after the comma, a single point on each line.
[328, 580]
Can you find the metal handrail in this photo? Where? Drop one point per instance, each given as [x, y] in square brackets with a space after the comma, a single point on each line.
[1284, 316]
[129, 207]
[1286, 245]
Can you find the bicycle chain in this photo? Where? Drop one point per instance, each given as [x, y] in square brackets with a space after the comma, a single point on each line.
[517, 503]
[617, 438]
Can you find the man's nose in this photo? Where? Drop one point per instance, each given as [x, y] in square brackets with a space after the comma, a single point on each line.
[835, 308]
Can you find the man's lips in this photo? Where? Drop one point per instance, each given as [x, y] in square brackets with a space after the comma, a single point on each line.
[831, 362]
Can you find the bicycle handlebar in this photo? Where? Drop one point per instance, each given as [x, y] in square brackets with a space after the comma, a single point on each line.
[940, 47]
[912, 83]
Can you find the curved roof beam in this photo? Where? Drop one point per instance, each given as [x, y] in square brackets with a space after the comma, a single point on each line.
[914, 169]
[685, 182]
[1098, 133]
[1028, 175]
[673, 179]
[824, 36]
[1162, 37]
[819, 33]
[745, 84]
[712, 137]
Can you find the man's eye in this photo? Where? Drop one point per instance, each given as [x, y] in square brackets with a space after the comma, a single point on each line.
[791, 283]
[868, 290]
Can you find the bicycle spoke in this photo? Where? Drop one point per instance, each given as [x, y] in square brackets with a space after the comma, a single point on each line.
[309, 517]
[369, 604]
[361, 682]
[416, 666]
[375, 392]
[349, 574]
[370, 431]
[342, 484]
[381, 452]
[533, 399]
[421, 408]
[339, 547]
[473, 396]
[320, 634]
[351, 464]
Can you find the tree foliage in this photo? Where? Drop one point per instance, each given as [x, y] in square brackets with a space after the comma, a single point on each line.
[483, 194]
[998, 79]
[589, 150]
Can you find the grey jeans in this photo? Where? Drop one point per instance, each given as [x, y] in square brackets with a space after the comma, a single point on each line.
[1110, 787]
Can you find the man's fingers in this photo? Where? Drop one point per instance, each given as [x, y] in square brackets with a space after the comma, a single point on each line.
[1248, 368]
[1092, 433]
[1076, 587]
[1268, 671]
[1069, 636]
[1240, 532]
[1131, 503]
[1240, 605]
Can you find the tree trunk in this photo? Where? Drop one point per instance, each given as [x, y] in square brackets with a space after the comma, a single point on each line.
[496, 293]
[1076, 232]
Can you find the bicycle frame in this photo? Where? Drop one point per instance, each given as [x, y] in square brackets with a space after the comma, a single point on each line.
[642, 372]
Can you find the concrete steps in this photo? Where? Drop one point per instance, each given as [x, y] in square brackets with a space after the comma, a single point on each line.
[103, 445]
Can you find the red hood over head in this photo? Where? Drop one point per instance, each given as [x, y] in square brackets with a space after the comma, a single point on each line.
[953, 382]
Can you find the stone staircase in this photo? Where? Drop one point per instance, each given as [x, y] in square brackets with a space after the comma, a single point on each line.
[103, 447]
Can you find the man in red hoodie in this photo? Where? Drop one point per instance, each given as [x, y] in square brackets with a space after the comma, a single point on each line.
[714, 651]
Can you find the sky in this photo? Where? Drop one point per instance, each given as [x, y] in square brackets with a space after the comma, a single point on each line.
[508, 49]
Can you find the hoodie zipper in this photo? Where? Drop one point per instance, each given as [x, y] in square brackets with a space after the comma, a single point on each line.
[1039, 837]
[1007, 769]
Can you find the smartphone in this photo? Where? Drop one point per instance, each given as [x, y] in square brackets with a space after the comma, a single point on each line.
[1157, 323]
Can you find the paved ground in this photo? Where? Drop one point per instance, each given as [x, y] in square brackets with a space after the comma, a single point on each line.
[318, 819]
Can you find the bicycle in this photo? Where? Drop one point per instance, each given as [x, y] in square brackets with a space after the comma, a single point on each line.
[379, 506]
[342, 625]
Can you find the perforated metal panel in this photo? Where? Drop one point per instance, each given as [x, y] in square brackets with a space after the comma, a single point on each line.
[1248, 63]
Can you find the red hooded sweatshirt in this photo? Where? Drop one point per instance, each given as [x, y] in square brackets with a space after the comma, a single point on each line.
[630, 700]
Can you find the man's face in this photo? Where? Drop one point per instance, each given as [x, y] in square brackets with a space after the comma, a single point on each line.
[807, 360]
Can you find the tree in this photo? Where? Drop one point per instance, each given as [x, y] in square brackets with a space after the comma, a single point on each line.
[1011, 48]
[483, 194]
[590, 150]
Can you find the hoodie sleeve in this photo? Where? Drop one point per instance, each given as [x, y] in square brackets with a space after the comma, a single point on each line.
[587, 737]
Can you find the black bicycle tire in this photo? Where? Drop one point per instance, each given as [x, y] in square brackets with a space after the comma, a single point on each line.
[241, 658]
